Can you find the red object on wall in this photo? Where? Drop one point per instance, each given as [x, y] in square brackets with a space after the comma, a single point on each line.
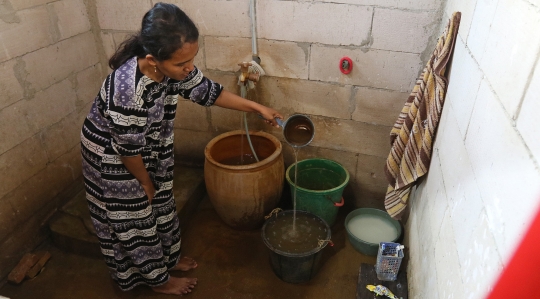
[345, 65]
[520, 278]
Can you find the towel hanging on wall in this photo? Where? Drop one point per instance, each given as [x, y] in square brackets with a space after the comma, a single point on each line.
[413, 133]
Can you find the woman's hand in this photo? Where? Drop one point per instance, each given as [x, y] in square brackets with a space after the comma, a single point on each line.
[150, 191]
[270, 115]
[136, 167]
[231, 101]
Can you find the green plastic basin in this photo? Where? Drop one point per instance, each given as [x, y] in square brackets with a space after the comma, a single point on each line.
[363, 246]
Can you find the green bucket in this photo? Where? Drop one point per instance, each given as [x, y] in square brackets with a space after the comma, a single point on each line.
[319, 187]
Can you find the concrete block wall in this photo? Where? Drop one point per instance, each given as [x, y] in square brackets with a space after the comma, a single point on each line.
[300, 44]
[50, 71]
[482, 191]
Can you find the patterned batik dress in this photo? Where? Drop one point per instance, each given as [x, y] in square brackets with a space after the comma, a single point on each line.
[133, 115]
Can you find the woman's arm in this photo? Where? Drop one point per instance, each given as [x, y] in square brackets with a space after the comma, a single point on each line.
[136, 167]
[231, 101]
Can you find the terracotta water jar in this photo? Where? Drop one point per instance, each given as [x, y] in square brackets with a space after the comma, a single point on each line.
[243, 194]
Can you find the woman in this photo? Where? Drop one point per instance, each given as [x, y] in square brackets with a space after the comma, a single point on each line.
[127, 149]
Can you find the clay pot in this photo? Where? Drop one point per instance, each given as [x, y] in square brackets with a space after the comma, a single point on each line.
[243, 194]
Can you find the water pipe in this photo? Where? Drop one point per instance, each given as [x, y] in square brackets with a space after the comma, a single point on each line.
[244, 79]
[250, 71]
[243, 93]
[253, 15]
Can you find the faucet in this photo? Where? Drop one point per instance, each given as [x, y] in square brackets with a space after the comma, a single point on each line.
[247, 74]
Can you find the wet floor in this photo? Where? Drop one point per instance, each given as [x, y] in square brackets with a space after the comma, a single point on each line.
[232, 264]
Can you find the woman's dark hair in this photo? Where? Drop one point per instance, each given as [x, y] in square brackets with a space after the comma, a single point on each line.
[165, 28]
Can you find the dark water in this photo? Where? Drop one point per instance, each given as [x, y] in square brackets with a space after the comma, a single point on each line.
[295, 150]
[298, 131]
[305, 237]
[318, 179]
[244, 159]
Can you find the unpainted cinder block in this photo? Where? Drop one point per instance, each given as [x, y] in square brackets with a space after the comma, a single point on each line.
[419, 4]
[61, 137]
[189, 145]
[14, 114]
[284, 59]
[366, 196]
[278, 59]
[219, 18]
[8, 220]
[121, 14]
[60, 60]
[72, 17]
[32, 195]
[378, 106]
[228, 120]
[351, 136]
[228, 80]
[403, 30]
[314, 22]
[290, 96]
[89, 83]
[224, 53]
[50, 105]
[370, 171]
[33, 25]
[22, 4]
[404, 4]
[12, 91]
[108, 43]
[382, 3]
[191, 116]
[21, 163]
[375, 68]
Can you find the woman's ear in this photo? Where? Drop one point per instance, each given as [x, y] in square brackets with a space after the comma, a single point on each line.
[151, 60]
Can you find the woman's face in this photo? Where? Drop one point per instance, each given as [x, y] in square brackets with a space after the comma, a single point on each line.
[181, 62]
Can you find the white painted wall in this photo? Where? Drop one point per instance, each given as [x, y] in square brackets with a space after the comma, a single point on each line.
[483, 188]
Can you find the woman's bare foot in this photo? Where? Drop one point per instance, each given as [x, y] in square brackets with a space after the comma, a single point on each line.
[185, 264]
[177, 286]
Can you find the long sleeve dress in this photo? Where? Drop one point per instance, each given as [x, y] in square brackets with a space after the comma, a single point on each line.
[133, 115]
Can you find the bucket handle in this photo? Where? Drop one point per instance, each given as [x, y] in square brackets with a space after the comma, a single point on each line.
[339, 204]
[321, 243]
[274, 212]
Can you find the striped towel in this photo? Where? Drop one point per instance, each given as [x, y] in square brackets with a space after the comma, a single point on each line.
[413, 133]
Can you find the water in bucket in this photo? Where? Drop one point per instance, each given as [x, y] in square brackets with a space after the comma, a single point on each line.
[303, 238]
[372, 228]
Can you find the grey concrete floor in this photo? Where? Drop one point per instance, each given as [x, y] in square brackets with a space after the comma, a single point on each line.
[232, 264]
